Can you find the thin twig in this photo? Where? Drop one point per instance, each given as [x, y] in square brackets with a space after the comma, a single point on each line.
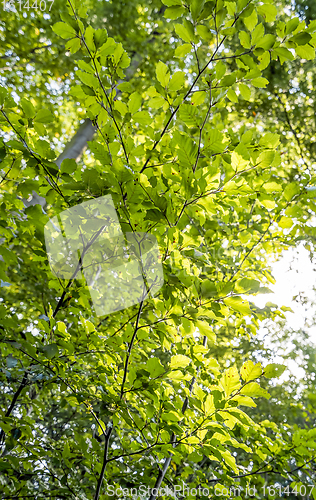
[105, 461]
[130, 347]
[13, 403]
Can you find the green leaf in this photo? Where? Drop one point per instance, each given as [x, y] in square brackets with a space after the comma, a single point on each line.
[51, 350]
[254, 390]
[257, 34]
[238, 304]
[86, 67]
[28, 108]
[291, 25]
[179, 361]
[251, 21]
[11, 361]
[269, 140]
[267, 201]
[120, 56]
[154, 367]
[232, 187]
[178, 375]
[73, 45]
[88, 90]
[208, 289]
[206, 330]
[142, 117]
[135, 102]
[183, 50]
[209, 405]
[230, 381]
[16, 145]
[260, 82]
[284, 54]
[272, 187]
[291, 190]
[301, 38]
[125, 87]
[285, 222]
[100, 153]
[264, 60]
[204, 32]
[198, 98]
[246, 285]
[188, 115]
[64, 30]
[61, 327]
[267, 42]
[2, 154]
[171, 416]
[107, 48]
[183, 33]
[89, 38]
[238, 162]
[196, 7]
[214, 141]
[44, 116]
[174, 12]
[100, 37]
[265, 159]
[229, 460]
[273, 370]
[244, 38]
[306, 52]
[245, 91]
[88, 79]
[245, 401]
[232, 96]
[250, 371]
[3, 95]
[162, 73]
[268, 11]
[68, 166]
[176, 82]
[66, 451]
[89, 327]
[171, 3]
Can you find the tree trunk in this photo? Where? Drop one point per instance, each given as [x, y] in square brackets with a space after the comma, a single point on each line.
[85, 133]
[77, 144]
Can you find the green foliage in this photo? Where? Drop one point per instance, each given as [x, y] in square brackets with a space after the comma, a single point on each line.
[181, 152]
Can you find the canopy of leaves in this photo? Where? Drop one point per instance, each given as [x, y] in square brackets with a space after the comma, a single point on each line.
[205, 130]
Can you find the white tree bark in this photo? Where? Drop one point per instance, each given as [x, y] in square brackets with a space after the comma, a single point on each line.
[85, 133]
[78, 143]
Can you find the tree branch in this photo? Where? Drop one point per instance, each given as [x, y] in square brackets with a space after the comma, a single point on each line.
[105, 461]
[131, 347]
[173, 440]
[13, 403]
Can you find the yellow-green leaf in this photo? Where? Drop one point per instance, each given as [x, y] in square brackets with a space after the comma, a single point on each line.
[230, 381]
[245, 91]
[238, 304]
[162, 73]
[250, 371]
[183, 33]
[135, 102]
[64, 30]
[28, 108]
[177, 81]
[179, 361]
[254, 390]
[273, 370]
